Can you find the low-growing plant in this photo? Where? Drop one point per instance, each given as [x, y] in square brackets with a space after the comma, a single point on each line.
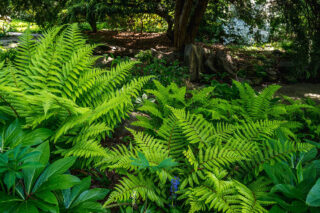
[296, 183]
[203, 164]
[7, 54]
[165, 72]
[12, 135]
[80, 198]
[34, 184]
[145, 56]
[53, 83]
[207, 155]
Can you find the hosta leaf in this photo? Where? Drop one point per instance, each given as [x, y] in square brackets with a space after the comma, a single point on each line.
[313, 197]
[56, 168]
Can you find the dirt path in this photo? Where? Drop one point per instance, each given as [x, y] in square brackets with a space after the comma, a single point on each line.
[11, 40]
[129, 43]
[301, 90]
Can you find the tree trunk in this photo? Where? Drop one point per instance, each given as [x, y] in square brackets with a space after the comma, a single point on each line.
[93, 24]
[181, 18]
[195, 20]
[186, 22]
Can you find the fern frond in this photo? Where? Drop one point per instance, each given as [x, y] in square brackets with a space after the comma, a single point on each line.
[135, 187]
[249, 200]
[195, 128]
[90, 149]
[270, 151]
[215, 193]
[25, 51]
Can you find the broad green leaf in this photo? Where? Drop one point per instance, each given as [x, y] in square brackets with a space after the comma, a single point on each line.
[47, 196]
[29, 165]
[288, 190]
[90, 195]
[31, 174]
[277, 209]
[12, 134]
[89, 206]
[167, 163]
[5, 198]
[26, 207]
[299, 172]
[313, 198]
[58, 167]
[44, 206]
[141, 162]
[59, 182]
[9, 179]
[70, 195]
[280, 173]
[297, 207]
[308, 156]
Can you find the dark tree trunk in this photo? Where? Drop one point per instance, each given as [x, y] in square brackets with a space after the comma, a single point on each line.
[93, 24]
[188, 15]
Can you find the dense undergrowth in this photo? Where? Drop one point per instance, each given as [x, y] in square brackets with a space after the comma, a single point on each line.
[213, 149]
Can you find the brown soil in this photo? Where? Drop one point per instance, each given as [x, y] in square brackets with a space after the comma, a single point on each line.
[301, 90]
[129, 43]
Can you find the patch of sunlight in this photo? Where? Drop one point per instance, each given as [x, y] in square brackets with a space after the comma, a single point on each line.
[312, 95]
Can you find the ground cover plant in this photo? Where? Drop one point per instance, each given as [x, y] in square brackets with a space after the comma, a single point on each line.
[159, 106]
[208, 164]
[30, 184]
[201, 150]
[56, 76]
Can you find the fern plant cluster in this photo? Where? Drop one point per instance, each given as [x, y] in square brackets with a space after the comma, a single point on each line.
[216, 148]
[53, 83]
[197, 153]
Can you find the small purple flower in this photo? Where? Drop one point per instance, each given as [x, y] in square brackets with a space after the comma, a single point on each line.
[174, 185]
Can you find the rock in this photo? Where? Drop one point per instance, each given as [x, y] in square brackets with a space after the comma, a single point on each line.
[194, 59]
[221, 62]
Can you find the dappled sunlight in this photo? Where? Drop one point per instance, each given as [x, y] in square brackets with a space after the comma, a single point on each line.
[312, 95]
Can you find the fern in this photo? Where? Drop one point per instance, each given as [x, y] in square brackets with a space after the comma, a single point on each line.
[53, 83]
[209, 151]
[136, 187]
[257, 106]
[201, 149]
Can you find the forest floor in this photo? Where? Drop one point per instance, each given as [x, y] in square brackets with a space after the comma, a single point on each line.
[130, 43]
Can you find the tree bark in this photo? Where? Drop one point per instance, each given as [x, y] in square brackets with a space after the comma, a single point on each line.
[196, 20]
[93, 25]
[186, 22]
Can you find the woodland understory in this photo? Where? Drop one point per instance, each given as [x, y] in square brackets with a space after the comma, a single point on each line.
[165, 106]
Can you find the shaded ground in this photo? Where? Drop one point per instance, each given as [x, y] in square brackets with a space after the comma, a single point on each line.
[301, 90]
[129, 43]
[11, 40]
